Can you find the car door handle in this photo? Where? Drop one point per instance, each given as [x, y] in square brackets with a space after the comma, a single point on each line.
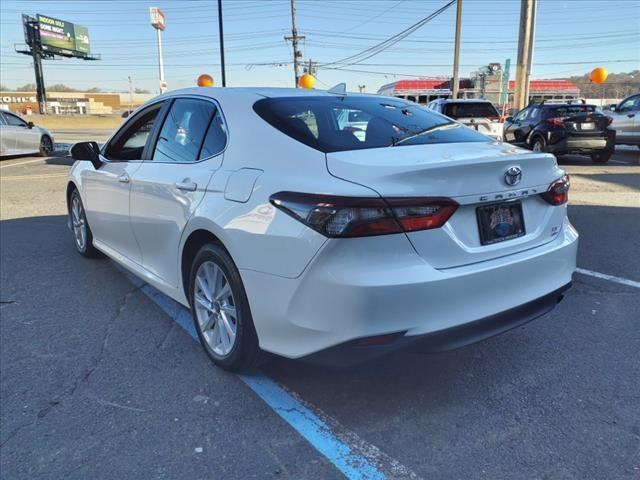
[631, 115]
[186, 186]
[124, 178]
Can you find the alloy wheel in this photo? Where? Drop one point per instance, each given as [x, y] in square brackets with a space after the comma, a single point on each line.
[45, 146]
[79, 223]
[537, 147]
[215, 308]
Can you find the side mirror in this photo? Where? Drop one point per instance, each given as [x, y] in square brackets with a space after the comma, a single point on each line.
[613, 107]
[30, 125]
[508, 119]
[84, 151]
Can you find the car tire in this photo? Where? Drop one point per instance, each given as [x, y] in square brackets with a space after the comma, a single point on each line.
[83, 238]
[220, 310]
[46, 146]
[538, 145]
[601, 157]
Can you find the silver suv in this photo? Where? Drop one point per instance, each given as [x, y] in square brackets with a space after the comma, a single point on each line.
[626, 120]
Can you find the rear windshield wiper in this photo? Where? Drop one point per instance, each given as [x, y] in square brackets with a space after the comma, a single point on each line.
[442, 126]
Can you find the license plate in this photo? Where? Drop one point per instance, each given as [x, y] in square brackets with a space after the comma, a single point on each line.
[500, 221]
[587, 126]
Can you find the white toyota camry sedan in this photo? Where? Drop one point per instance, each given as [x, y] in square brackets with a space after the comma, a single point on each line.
[286, 229]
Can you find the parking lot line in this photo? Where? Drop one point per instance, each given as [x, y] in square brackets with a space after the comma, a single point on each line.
[611, 278]
[355, 458]
[26, 162]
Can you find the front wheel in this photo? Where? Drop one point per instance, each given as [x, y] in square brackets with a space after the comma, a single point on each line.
[81, 232]
[221, 311]
[46, 146]
[601, 157]
[538, 145]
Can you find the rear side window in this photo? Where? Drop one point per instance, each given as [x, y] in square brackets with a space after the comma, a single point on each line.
[215, 139]
[569, 110]
[2, 120]
[470, 110]
[333, 124]
[183, 131]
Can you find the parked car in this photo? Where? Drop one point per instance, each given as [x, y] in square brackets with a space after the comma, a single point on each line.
[562, 128]
[626, 120]
[18, 137]
[480, 115]
[285, 233]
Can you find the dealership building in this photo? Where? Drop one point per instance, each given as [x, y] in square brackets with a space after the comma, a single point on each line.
[72, 103]
[487, 83]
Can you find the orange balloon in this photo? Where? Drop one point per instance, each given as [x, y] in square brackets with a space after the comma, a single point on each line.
[205, 80]
[307, 81]
[598, 75]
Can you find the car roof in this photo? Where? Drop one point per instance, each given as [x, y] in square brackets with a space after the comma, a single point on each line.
[554, 105]
[265, 92]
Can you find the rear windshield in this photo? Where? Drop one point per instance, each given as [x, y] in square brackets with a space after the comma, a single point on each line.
[470, 110]
[564, 111]
[334, 124]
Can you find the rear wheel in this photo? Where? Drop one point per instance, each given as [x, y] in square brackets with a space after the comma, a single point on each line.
[538, 144]
[46, 146]
[221, 311]
[601, 157]
[81, 232]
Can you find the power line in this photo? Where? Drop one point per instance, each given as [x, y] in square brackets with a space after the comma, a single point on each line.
[380, 47]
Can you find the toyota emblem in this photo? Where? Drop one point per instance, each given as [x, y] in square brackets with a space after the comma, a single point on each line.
[513, 176]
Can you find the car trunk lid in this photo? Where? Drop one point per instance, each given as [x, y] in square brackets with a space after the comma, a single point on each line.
[472, 174]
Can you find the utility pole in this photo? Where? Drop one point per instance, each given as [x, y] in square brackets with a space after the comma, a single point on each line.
[297, 54]
[523, 65]
[534, 12]
[456, 51]
[163, 86]
[224, 78]
[41, 94]
[130, 95]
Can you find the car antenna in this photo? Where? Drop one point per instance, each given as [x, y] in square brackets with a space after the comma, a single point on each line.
[339, 89]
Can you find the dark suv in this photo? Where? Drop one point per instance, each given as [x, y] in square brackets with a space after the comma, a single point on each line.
[562, 128]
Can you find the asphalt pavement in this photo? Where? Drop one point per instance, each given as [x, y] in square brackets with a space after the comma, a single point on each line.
[98, 380]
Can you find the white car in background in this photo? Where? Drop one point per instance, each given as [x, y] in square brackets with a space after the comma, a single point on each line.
[479, 115]
[287, 233]
[626, 120]
[18, 137]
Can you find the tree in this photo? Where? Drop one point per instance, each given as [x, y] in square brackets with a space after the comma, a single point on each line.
[28, 87]
[617, 85]
[141, 90]
[93, 90]
[60, 87]
[4, 88]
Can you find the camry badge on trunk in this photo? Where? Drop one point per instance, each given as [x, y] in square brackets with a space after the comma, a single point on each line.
[513, 176]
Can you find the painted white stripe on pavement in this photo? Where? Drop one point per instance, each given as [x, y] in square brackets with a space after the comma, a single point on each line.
[355, 458]
[26, 162]
[611, 278]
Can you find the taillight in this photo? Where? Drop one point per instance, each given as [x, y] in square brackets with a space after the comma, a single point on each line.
[556, 122]
[335, 216]
[558, 192]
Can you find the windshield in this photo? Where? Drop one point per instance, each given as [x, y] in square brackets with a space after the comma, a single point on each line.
[333, 124]
[570, 110]
[470, 110]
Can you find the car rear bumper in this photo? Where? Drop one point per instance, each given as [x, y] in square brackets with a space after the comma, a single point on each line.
[354, 351]
[367, 287]
[575, 143]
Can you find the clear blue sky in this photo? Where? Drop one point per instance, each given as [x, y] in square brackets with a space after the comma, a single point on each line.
[596, 33]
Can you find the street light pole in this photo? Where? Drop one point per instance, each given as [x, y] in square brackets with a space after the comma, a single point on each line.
[224, 78]
[160, 62]
[456, 51]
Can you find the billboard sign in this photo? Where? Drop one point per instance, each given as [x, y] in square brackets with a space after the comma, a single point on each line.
[157, 18]
[63, 37]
